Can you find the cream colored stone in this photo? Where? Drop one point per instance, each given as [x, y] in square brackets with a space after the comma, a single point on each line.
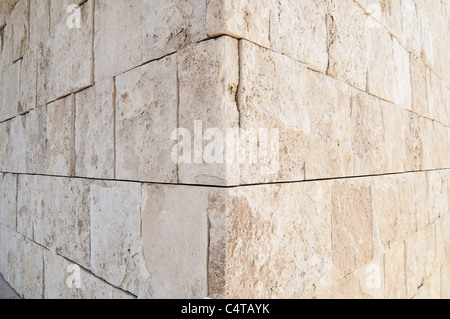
[208, 75]
[10, 84]
[419, 86]
[394, 213]
[20, 23]
[8, 197]
[65, 61]
[445, 281]
[280, 247]
[411, 34]
[415, 146]
[351, 225]
[22, 264]
[442, 239]
[299, 30]
[94, 131]
[438, 194]
[146, 116]
[7, 46]
[58, 276]
[347, 43]
[402, 76]
[27, 92]
[115, 227]
[18, 145]
[420, 259]
[394, 273]
[421, 199]
[118, 42]
[426, 138]
[176, 256]
[435, 98]
[39, 22]
[170, 25]
[36, 141]
[241, 19]
[60, 137]
[431, 288]
[395, 122]
[5, 146]
[426, 36]
[386, 12]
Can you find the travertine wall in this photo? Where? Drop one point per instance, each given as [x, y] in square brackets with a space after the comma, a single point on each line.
[359, 204]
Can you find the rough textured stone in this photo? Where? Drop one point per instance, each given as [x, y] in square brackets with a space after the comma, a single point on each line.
[435, 98]
[421, 200]
[402, 77]
[445, 281]
[415, 146]
[208, 75]
[280, 247]
[60, 137]
[118, 41]
[241, 19]
[36, 141]
[8, 196]
[411, 34]
[27, 92]
[347, 43]
[176, 256]
[94, 131]
[438, 194]
[395, 123]
[19, 20]
[419, 86]
[351, 225]
[431, 288]
[64, 62]
[420, 259]
[10, 84]
[39, 22]
[58, 285]
[169, 25]
[146, 115]
[115, 223]
[299, 30]
[386, 12]
[394, 273]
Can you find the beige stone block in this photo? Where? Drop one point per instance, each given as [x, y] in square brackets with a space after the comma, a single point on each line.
[8, 199]
[402, 76]
[170, 25]
[386, 13]
[438, 194]
[22, 263]
[249, 20]
[380, 62]
[146, 116]
[431, 288]
[280, 247]
[62, 278]
[10, 84]
[36, 141]
[18, 145]
[208, 75]
[94, 131]
[415, 145]
[430, 154]
[420, 259]
[445, 281]
[115, 227]
[118, 41]
[65, 61]
[54, 212]
[351, 224]
[367, 134]
[5, 146]
[60, 137]
[176, 256]
[395, 121]
[419, 86]
[436, 99]
[426, 34]
[411, 34]
[442, 239]
[394, 213]
[271, 96]
[299, 30]
[6, 36]
[421, 199]
[394, 273]
[347, 43]
[20, 24]
[39, 22]
[27, 92]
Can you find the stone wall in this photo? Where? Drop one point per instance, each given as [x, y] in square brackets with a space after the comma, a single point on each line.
[93, 204]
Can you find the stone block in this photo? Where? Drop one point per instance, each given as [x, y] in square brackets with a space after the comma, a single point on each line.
[20, 24]
[146, 116]
[430, 154]
[60, 280]
[445, 281]
[438, 194]
[176, 256]
[386, 13]
[10, 84]
[420, 259]
[6, 37]
[118, 41]
[402, 76]
[415, 146]
[240, 19]
[395, 122]
[94, 131]
[60, 137]
[115, 227]
[5, 146]
[299, 30]
[431, 288]
[170, 25]
[436, 99]
[18, 145]
[351, 224]
[421, 199]
[208, 75]
[347, 45]
[65, 61]
[27, 91]
[8, 199]
[39, 22]
[442, 239]
[419, 86]
[411, 34]
[280, 247]
[36, 141]
[394, 273]
[394, 213]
